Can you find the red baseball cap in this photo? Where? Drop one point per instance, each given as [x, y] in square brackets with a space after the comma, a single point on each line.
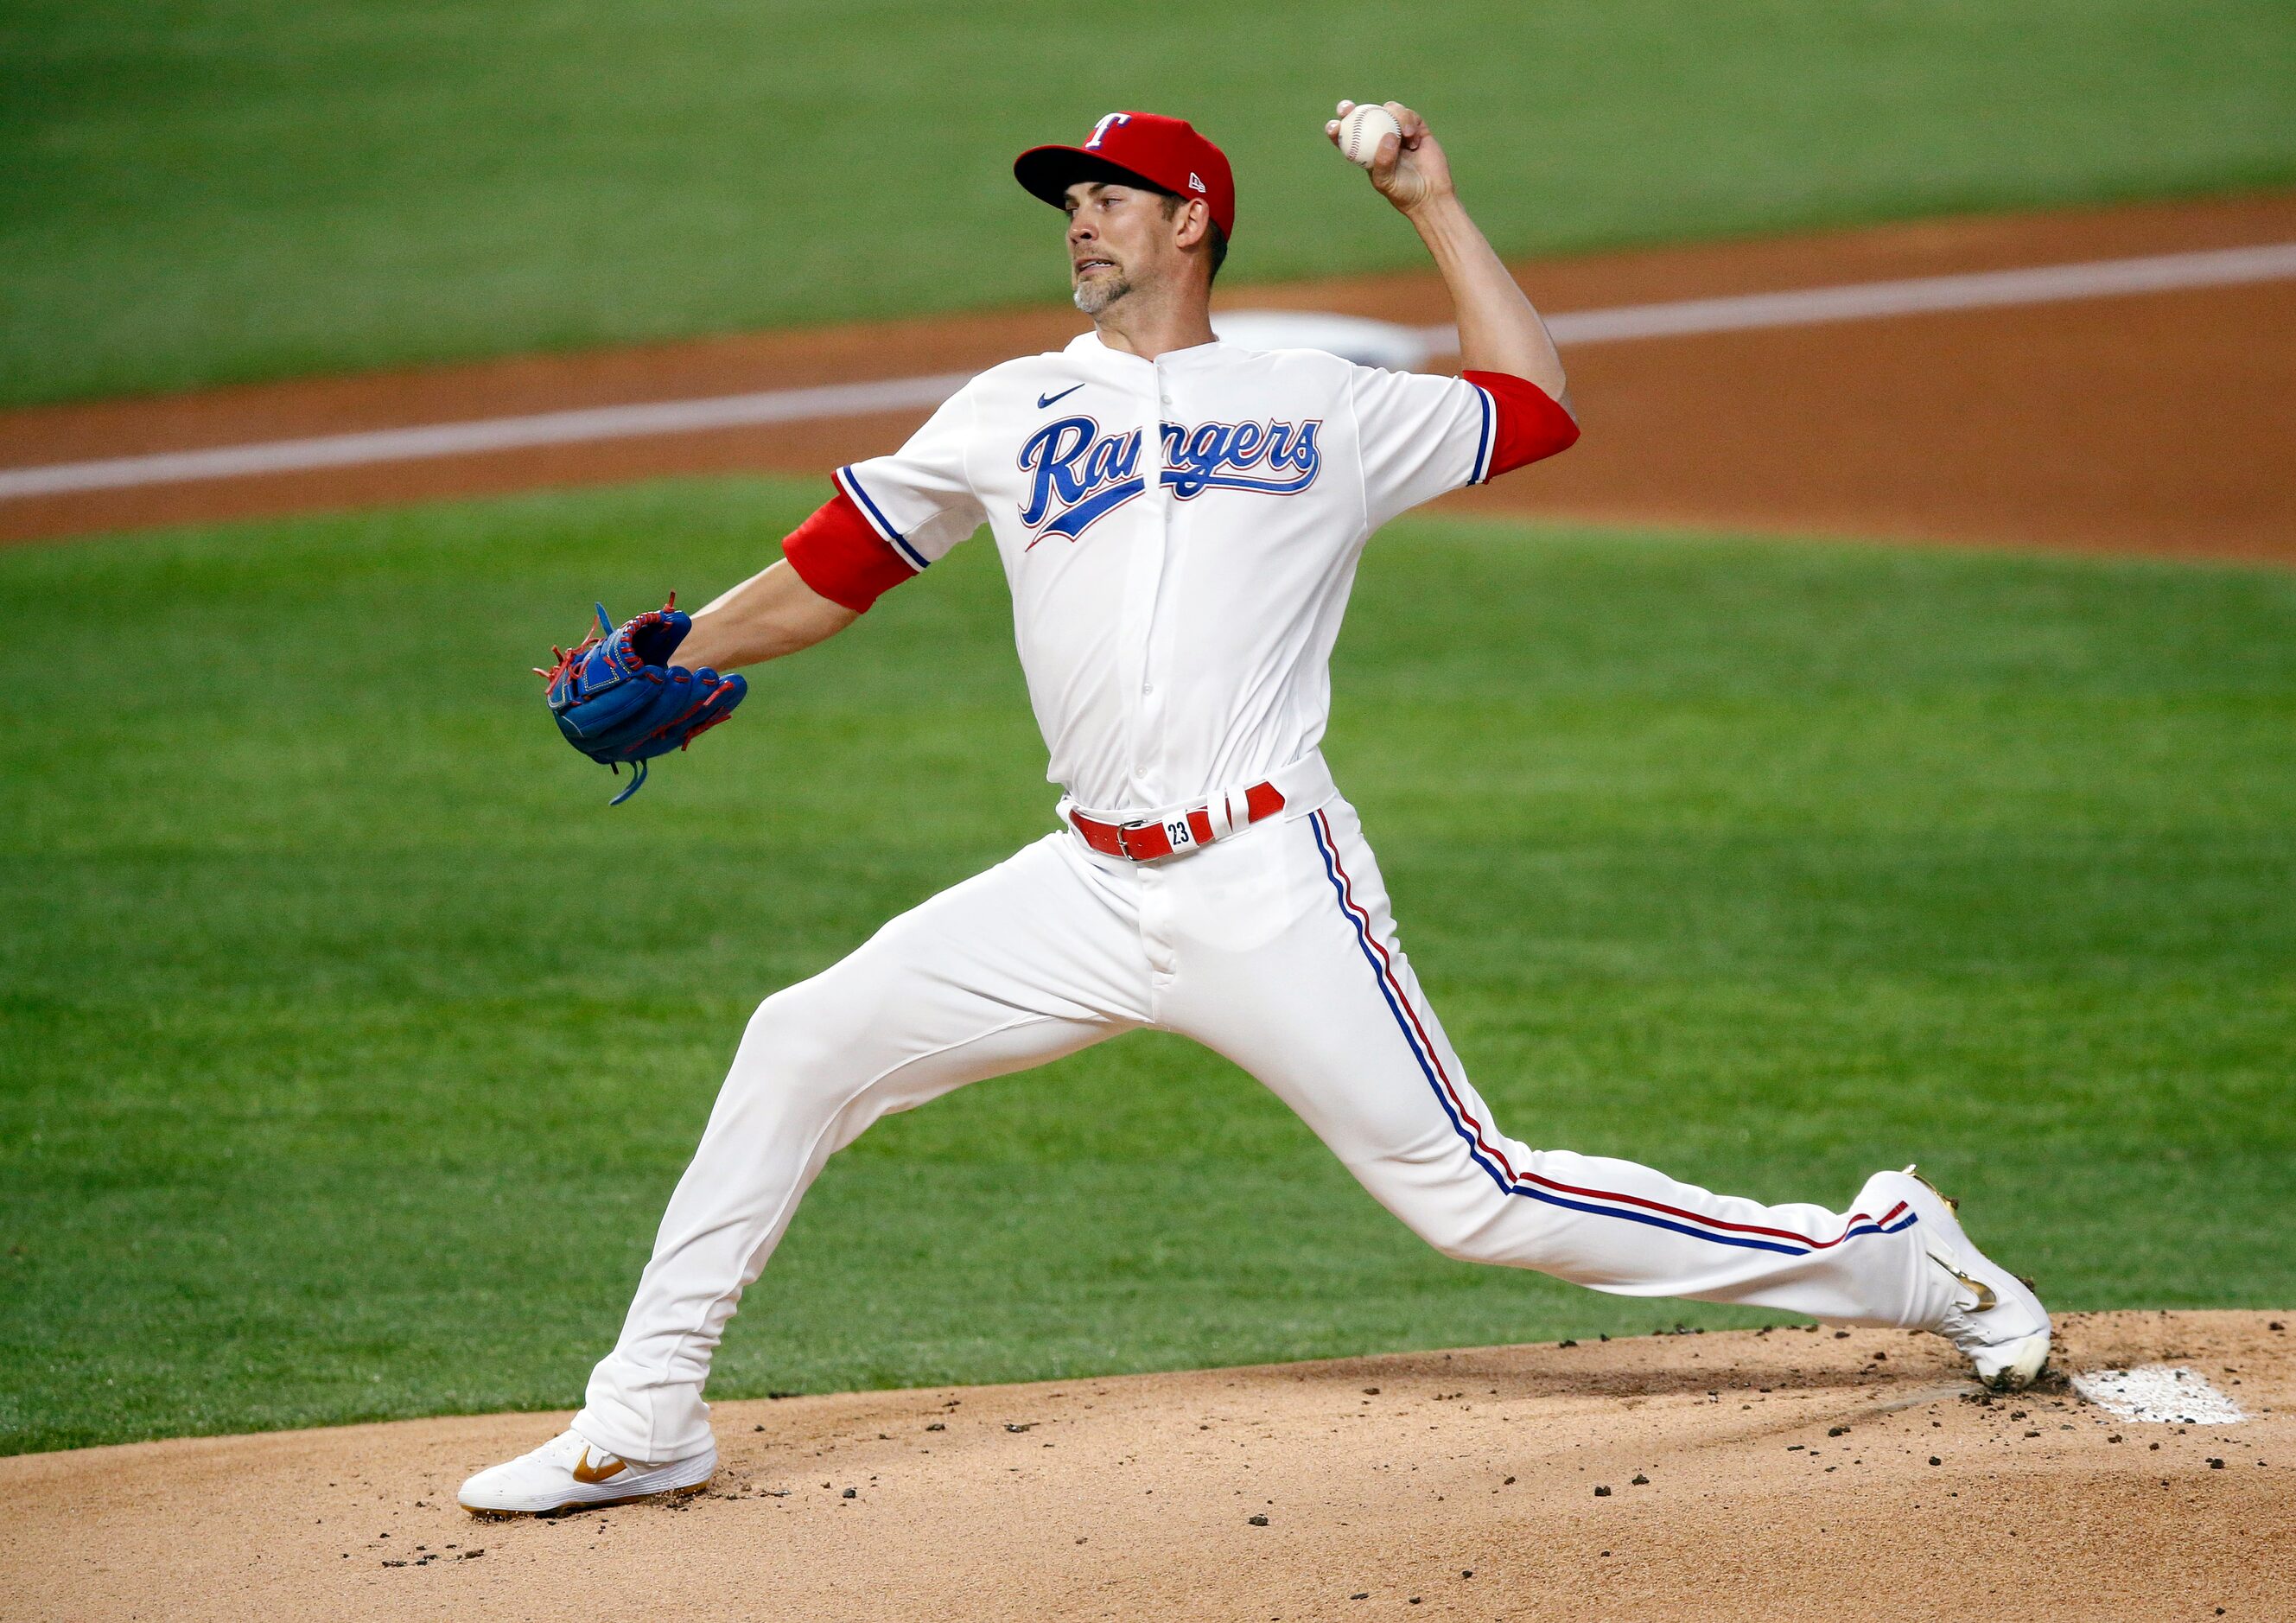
[1168, 153]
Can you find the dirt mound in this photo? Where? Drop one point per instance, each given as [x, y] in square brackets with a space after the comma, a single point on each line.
[1801, 1473]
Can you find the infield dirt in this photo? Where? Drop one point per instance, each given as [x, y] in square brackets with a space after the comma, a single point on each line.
[2152, 424]
[1786, 1473]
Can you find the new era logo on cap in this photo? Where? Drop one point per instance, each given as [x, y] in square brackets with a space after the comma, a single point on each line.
[1168, 153]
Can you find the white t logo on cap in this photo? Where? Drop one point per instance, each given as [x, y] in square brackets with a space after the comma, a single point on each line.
[1195, 184]
[1100, 130]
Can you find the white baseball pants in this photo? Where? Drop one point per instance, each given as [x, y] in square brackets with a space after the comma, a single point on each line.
[1276, 947]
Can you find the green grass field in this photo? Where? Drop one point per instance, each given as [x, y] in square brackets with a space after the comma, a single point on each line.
[352, 1044]
[236, 189]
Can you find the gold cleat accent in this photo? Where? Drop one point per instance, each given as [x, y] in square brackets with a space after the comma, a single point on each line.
[586, 1472]
[1951, 1205]
[1986, 1300]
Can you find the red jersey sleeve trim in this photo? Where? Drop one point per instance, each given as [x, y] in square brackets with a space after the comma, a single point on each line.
[840, 554]
[1529, 422]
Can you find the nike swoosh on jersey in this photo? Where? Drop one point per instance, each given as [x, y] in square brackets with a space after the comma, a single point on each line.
[1045, 400]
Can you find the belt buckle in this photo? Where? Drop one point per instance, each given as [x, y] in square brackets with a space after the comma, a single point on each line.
[1179, 837]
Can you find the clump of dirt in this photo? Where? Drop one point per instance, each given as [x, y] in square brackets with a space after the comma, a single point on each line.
[1802, 1473]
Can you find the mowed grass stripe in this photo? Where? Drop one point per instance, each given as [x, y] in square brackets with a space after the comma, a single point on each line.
[353, 1044]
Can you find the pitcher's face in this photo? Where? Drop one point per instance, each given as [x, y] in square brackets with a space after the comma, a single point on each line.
[1119, 238]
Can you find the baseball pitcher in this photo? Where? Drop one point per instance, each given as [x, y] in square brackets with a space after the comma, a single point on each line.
[1180, 519]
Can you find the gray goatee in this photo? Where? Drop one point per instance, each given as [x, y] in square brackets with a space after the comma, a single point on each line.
[1097, 295]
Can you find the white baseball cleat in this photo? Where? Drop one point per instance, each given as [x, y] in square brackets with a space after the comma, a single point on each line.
[1996, 1319]
[567, 1473]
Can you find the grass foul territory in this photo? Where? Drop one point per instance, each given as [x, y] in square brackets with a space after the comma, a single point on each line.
[354, 1045]
[195, 194]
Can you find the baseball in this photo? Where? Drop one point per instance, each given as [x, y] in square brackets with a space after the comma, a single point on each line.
[1362, 128]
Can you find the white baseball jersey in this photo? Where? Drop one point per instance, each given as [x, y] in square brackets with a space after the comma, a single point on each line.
[1180, 536]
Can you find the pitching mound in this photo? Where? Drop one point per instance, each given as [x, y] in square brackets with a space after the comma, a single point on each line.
[1799, 1473]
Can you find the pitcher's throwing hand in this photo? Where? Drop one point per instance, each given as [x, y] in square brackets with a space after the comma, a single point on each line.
[1408, 169]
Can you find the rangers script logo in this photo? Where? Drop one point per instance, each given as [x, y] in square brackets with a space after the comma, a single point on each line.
[1079, 474]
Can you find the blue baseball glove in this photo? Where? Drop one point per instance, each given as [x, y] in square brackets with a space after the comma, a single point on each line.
[617, 698]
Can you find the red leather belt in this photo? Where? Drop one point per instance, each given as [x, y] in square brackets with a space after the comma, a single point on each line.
[1148, 840]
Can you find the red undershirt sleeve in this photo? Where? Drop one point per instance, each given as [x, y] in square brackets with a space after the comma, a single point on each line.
[839, 555]
[1531, 423]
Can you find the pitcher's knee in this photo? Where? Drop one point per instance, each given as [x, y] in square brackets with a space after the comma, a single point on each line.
[1466, 1230]
[792, 1044]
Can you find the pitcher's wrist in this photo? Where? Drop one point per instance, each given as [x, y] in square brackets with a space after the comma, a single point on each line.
[1436, 212]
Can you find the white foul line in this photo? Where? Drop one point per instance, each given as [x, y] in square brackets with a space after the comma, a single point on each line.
[1857, 301]
[1920, 295]
[487, 434]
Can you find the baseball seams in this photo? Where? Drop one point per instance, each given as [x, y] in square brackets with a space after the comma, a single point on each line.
[1362, 128]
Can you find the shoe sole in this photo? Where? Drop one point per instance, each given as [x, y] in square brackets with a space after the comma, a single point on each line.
[573, 1505]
